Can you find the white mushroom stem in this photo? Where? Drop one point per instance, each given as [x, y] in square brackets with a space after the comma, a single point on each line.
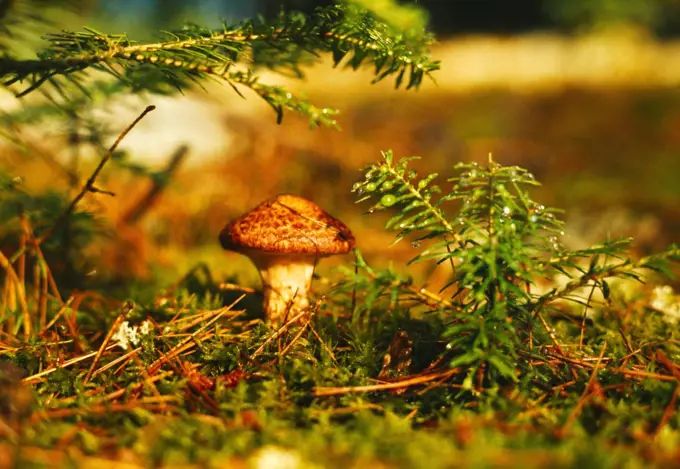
[286, 280]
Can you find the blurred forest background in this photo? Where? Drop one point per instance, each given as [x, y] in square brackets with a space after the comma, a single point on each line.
[583, 93]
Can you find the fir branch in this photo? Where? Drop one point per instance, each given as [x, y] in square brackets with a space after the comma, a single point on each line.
[499, 243]
[232, 55]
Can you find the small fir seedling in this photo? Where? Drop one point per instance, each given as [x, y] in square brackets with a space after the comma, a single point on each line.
[499, 244]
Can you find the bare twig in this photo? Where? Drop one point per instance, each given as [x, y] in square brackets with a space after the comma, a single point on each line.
[89, 185]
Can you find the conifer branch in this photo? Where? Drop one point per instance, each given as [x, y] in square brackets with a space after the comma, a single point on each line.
[232, 55]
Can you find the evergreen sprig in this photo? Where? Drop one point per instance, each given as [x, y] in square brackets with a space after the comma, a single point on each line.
[232, 54]
[501, 246]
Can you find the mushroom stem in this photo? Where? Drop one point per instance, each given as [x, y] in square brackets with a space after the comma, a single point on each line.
[286, 281]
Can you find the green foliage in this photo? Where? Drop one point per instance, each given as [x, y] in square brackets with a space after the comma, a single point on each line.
[405, 17]
[500, 245]
[532, 354]
[233, 55]
[588, 14]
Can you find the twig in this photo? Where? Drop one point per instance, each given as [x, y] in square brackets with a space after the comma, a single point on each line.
[89, 185]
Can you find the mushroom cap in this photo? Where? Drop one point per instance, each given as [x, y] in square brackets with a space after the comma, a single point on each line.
[287, 224]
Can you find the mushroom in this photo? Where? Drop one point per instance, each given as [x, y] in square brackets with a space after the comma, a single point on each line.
[284, 237]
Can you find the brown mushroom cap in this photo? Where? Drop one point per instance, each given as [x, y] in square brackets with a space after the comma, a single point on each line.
[287, 224]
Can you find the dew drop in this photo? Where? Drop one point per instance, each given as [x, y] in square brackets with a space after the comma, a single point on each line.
[415, 244]
[534, 218]
[506, 211]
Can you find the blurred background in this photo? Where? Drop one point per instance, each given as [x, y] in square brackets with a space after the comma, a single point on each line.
[583, 93]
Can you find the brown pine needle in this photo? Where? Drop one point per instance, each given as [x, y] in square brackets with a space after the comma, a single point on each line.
[38, 376]
[671, 408]
[157, 403]
[586, 393]
[278, 332]
[335, 391]
[61, 311]
[5, 264]
[294, 340]
[116, 324]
